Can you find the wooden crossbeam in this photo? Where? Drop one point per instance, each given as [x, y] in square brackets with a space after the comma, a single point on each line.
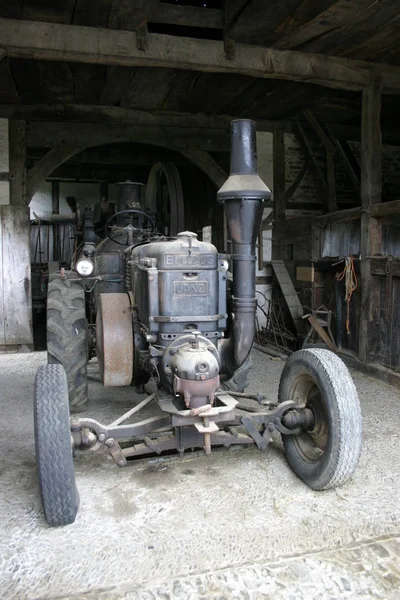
[75, 43]
[86, 113]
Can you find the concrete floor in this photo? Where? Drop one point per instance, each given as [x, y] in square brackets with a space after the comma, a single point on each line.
[235, 525]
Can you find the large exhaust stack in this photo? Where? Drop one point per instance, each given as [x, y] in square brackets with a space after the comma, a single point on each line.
[243, 195]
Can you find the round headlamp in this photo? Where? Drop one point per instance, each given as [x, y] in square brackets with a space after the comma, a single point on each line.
[84, 267]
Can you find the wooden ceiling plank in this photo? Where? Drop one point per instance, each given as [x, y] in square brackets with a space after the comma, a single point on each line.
[117, 83]
[56, 81]
[149, 88]
[192, 16]
[50, 11]
[263, 22]
[94, 13]
[130, 15]
[340, 40]
[89, 81]
[212, 92]
[337, 15]
[380, 45]
[27, 80]
[10, 10]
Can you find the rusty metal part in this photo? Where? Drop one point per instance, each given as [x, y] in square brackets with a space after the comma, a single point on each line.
[196, 393]
[133, 410]
[114, 339]
[303, 418]
[270, 421]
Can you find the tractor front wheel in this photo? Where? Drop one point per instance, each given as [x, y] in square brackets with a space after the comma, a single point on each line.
[327, 453]
[54, 458]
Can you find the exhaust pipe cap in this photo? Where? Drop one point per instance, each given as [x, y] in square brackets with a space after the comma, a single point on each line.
[243, 181]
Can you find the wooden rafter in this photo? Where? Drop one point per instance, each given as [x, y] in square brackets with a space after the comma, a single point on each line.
[87, 113]
[308, 153]
[51, 41]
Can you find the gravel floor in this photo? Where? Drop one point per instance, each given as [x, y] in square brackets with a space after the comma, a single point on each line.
[237, 524]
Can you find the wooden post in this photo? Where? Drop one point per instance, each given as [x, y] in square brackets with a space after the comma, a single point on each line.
[279, 174]
[55, 209]
[17, 157]
[330, 181]
[371, 232]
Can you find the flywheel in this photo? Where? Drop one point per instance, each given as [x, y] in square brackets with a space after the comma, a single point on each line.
[114, 339]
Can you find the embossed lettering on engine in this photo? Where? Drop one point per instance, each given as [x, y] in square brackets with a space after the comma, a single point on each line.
[179, 260]
[190, 288]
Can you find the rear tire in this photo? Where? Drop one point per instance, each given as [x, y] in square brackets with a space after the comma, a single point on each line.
[57, 484]
[327, 455]
[67, 337]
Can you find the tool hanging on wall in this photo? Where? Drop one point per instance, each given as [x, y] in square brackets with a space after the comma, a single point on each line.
[350, 281]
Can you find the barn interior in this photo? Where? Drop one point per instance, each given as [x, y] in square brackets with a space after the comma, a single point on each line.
[96, 95]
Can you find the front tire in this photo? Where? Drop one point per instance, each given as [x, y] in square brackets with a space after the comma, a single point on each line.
[55, 465]
[326, 455]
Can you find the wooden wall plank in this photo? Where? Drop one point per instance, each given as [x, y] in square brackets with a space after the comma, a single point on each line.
[15, 277]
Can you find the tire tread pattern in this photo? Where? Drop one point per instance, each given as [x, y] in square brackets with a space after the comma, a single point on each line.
[339, 385]
[67, 337]
[53, 446]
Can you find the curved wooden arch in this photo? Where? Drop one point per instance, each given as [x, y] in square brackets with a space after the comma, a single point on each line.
[46, 165]
[59, 154]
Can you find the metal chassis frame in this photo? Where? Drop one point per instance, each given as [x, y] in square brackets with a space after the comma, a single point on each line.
[187, 429]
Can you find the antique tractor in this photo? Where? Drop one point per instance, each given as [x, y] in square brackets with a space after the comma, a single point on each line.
[173, 325]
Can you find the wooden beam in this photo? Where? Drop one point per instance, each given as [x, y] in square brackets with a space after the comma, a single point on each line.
[385, 209]
[324, 138]
[190, 16]
[86, 113]
[42, 134]
[46, 165]
[17, 154]
[371, 230]
[354, 179]
[379, 266]
[296, 182]
[330, 181]
[308, 153]
[208, 165]
[279, 174]
[74, 43]
[340, 216]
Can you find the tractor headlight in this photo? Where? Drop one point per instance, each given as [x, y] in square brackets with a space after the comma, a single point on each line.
[84, 267]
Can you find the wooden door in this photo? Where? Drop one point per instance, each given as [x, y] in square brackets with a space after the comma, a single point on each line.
[15, 280]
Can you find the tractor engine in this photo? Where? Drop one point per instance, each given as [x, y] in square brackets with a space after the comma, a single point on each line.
[179, 296]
